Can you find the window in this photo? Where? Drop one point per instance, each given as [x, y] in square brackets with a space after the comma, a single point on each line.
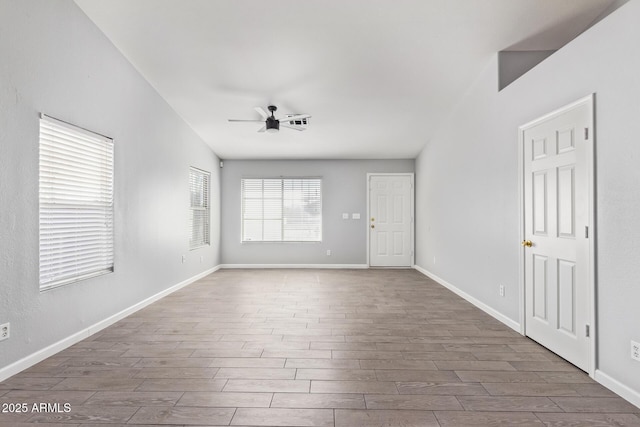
[199, 213]
[76, 203]
[281, 210]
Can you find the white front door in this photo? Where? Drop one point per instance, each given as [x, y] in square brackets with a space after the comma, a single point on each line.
[556, 245]
[390, 220]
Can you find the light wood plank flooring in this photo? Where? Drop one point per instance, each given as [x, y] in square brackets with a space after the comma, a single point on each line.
[329, 348]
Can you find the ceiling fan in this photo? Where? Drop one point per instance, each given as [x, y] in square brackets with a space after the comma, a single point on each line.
[271, 124]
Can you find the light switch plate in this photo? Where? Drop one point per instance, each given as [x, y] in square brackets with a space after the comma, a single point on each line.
[345, 216]
[355, 216]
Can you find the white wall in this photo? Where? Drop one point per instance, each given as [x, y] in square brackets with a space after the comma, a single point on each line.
[344, 189]
[466, 180]
[54, 60]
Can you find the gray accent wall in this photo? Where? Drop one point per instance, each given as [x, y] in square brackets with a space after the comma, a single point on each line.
[467, 181]
[54, 60]
[344, 190]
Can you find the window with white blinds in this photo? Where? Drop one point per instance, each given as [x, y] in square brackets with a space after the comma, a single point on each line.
[199, 212]
[76, 203]
[281, 210]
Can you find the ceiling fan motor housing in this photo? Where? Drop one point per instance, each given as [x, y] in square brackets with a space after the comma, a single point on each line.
[272, 124]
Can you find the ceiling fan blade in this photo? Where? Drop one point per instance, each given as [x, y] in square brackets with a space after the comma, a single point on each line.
[240, 120]
[294, 118]
[261, 111]
[262, 129]
[296, 127]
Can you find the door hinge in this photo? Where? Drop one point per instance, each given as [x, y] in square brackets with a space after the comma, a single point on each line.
[586, 231]
[586, 133]
[587, 332]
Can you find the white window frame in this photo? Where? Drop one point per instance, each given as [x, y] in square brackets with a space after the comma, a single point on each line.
[205, 207]
[76, 204]
[282, 199]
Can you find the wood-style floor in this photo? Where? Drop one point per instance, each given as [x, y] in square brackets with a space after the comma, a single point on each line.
[341, 348]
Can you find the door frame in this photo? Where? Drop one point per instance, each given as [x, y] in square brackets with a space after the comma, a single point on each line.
[589, 101]
[411, 209]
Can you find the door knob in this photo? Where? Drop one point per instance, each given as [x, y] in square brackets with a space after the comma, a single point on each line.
[373, 226]
[373, 219]
[527, 243]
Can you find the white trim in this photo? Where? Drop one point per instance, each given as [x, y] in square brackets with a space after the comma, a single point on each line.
[589, 100]
[558, 111]
[411, 209]
[40, 355]
[521, 257]
[591, 177]
[618, 388]
[335, 266]
[624, 391]
[482, 306]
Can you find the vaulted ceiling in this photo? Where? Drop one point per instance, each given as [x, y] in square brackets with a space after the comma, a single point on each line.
[377, 76]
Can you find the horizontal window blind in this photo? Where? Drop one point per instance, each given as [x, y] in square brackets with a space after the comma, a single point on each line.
[76, 203]
[281, 209]
[199, 218]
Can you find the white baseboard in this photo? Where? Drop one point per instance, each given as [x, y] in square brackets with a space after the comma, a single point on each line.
[336, 266]
[482, 306]
[40, 355]
[612, 384]
[618, 388]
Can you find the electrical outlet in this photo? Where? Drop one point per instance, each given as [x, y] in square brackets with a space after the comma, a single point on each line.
[635, 351]
[5, 331]
[345, 216]
[328, 252]
[501, 290]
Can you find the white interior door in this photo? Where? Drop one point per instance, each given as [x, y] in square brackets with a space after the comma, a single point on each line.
[556, 245]
[390, 220]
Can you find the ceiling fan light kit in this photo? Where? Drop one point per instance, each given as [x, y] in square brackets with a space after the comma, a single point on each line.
[272, 124]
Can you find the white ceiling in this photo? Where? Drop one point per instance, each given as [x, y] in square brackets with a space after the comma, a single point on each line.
[376, 75]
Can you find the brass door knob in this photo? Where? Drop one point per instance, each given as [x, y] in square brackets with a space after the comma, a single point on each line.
[373, 226]
[527, 243]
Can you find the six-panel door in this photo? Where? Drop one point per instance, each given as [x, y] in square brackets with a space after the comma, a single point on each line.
[556, 215]
[390, 221]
